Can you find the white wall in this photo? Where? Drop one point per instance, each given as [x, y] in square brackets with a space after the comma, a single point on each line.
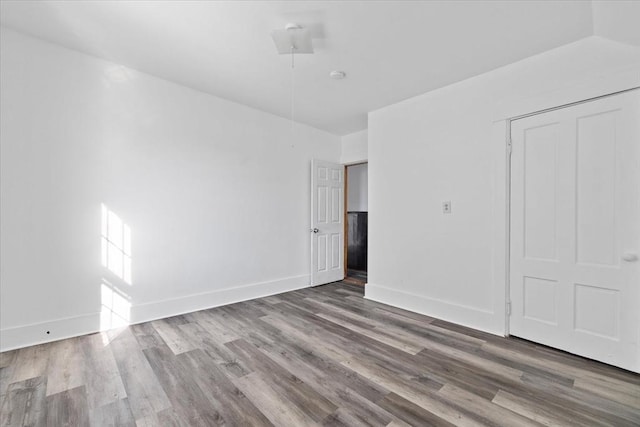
[357, 188]
[449, 144]
[617, 20]
[355, 148]
[215, 194]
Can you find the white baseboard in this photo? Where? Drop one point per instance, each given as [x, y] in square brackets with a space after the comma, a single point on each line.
[472, 317]
[26, 335]
[188, 304]
[54, 330]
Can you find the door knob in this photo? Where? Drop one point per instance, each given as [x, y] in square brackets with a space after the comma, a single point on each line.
[315, 230]
[630, 257]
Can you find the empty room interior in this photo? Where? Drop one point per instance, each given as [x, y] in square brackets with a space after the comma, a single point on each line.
[320, 213]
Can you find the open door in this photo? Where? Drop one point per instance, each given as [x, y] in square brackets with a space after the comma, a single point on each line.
[327, 222]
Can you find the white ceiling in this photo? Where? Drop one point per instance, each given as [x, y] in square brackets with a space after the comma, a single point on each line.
[390, 50]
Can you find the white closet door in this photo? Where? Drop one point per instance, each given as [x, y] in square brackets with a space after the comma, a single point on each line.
[575, 229]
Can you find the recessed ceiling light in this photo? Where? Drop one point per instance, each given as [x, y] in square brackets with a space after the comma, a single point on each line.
[337, 75]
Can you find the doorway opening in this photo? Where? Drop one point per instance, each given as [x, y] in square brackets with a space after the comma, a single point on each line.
[356, 223]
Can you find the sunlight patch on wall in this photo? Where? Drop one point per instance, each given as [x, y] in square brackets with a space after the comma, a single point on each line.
[115, 241]
[116, 245]
[116, 307]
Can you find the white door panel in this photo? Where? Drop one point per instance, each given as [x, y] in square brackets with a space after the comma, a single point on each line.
[327, 222]
[575, 196]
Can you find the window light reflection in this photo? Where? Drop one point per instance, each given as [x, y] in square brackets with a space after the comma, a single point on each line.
[116, 307]
[116, 245]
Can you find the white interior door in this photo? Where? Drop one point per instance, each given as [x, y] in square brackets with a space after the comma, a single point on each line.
[327, 222]
[575, 229]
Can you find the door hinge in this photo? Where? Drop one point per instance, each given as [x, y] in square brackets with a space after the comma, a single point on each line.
[508, 308]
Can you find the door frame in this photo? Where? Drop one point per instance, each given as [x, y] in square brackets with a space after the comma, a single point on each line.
[507, 295]
[346, 207]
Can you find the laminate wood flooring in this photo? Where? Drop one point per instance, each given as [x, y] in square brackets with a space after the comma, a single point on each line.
[317, 356]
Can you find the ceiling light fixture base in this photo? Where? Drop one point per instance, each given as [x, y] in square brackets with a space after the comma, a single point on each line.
[292, 39]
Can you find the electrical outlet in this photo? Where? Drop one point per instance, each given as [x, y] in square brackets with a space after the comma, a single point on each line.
[446, 207]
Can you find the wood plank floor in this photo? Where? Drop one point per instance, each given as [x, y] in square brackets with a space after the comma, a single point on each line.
[318, 356]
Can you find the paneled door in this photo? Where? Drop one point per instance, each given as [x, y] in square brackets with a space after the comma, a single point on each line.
[575, 229]
[327, 222]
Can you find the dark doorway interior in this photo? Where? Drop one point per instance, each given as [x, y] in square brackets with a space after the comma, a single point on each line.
[357, 223]
[357, 244]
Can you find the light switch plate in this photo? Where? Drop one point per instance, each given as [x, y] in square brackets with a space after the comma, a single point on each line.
[446, 207]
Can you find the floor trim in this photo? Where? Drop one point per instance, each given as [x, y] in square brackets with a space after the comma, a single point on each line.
[57, 329]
